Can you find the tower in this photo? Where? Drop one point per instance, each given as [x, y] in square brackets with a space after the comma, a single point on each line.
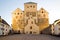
[30, 8]
[17, 20]
[43, 19]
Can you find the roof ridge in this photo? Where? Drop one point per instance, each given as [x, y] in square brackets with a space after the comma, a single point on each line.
[30, 3]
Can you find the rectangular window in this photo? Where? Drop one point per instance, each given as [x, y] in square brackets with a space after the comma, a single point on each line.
[31, 27]
[3, 33]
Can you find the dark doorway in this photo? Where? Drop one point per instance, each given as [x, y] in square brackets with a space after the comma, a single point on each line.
[30, 32]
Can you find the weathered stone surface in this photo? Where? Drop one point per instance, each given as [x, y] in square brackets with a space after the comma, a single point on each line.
[29, 37]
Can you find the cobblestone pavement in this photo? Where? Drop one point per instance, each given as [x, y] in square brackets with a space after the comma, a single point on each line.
[29, 37]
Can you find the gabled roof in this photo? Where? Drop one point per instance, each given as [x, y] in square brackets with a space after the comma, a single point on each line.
[56, 21]
[4, 22]
[17, 10]
[42, 9]
[30, 3]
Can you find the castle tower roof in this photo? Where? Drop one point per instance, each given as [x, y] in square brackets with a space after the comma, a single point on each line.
[42, 10]
[30, 3]
[17, 10]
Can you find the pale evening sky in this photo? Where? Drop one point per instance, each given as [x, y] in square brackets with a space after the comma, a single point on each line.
[8, 6]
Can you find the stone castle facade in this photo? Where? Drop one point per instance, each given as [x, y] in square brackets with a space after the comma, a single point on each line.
[31, 20]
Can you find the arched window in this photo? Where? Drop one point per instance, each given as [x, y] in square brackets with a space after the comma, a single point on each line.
[18, 13]
[42, 12]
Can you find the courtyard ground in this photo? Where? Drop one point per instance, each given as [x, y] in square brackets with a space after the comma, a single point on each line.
[29, 37]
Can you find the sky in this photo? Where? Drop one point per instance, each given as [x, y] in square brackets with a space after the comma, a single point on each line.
[8, 6]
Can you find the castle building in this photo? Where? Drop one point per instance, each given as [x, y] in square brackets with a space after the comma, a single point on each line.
[31, 20]
[56, 27]
[4, 27]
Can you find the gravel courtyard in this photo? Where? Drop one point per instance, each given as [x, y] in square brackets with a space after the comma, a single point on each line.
[29, 37]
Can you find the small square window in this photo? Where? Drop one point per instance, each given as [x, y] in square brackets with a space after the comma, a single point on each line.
[18, 13]
[2, 28]
[30, 6]
[6, 29]
[33, 6]
[27, 7]
[21, 13]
